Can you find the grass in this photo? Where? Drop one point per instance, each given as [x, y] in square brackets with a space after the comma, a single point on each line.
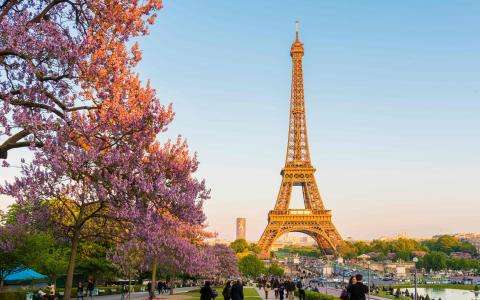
[248, 292]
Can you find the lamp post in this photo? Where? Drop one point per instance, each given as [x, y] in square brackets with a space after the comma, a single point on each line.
[415, 260]
[369, 285]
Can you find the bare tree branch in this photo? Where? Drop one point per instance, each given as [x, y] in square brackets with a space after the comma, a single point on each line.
[37, 105]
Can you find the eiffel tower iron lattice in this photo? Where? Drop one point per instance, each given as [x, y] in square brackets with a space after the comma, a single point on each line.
[314, 220]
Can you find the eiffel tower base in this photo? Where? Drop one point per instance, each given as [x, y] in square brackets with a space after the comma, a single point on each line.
[316, 224]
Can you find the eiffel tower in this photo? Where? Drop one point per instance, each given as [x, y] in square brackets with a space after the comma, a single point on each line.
[314, 220]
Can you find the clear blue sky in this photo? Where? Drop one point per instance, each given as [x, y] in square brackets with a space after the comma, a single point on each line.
[393, 107]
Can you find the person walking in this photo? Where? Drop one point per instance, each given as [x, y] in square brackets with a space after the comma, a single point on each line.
[160, 287]
[206, 292]
[51, 292]
[301, 291]
[226, 291]
[290, 286]
[275, 287]
[266, 289]
[80, 290]
[150, 290]
[90, 287]
[281, 291]
[123, 291]
[358, 290]
[236, 292]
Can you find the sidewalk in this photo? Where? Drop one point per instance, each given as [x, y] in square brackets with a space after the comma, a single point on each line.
[177, 295]
[337, 293]
[329, 291]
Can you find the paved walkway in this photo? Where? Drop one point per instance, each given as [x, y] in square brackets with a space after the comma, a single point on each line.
[177, 295]
[338, 292]
[329, 291]
[271, 294]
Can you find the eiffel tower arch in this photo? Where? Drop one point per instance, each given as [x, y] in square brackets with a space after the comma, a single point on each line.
[313, 220]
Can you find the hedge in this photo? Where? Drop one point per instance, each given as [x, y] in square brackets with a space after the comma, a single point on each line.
[102, 290]
[13, 295]
[311, 295]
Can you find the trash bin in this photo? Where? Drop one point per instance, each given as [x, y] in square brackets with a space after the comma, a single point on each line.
[29, 296]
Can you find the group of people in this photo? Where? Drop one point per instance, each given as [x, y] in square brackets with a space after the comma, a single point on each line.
[282, 288]
[231, 291]
[355, 290]
[162, 288]
[89, 289]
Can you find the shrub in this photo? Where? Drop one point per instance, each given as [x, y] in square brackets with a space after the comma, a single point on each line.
[310, 295]
[13, 295]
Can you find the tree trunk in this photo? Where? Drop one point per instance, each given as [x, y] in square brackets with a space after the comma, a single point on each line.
[71, 265]
[129, 284]
[1, 283]
[154, 274]
[54, 280]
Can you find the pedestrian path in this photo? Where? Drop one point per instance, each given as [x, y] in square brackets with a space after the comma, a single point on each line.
[271, 294]
[178, 294]
[338, 292]
[329, 291]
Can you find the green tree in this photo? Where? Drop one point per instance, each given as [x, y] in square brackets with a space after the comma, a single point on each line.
[251, 266]
[448, 244]
[253, 247]
[347, 250]
[93, 260]
[275, 270]
[434, 260]
[361, 247]
[239, 246]
[42, 253]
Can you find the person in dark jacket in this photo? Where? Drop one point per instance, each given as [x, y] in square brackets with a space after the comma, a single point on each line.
[90, 288]
[358, 290]
[236, 292]
[290, 288]
[345, 295]
[206, 292]
[226, 291]
[80, 290]
[281, 291]
[301, 291]
[151, 291]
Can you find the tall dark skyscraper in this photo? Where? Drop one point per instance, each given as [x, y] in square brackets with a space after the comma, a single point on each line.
[241, 228]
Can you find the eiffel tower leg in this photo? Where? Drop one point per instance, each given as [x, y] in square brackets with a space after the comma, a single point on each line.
[269, 236]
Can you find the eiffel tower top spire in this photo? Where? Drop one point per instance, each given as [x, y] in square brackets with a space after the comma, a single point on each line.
[298, 154]
[297, 30]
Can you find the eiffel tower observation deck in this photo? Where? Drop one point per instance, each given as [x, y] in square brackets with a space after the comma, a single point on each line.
[313, 220]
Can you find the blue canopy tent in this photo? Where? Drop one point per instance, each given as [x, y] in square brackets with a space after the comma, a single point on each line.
[25, 275]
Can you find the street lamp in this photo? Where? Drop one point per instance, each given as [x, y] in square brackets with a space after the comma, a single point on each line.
[415, 260]
[369, 285]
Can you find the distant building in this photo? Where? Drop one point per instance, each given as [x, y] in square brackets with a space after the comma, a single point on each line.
[463, 255]
[472, 238]
[419, 253]
[241, 228]
[217, 241]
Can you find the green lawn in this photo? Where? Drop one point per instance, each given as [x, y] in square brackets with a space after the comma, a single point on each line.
[248, 292]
